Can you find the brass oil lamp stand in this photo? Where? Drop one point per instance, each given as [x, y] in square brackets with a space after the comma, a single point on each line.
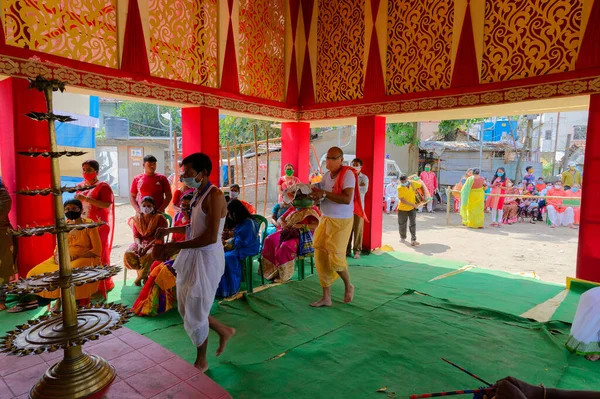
[78, 374]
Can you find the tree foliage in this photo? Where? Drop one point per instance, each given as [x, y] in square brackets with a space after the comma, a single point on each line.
[143, 118]
[401, 133]
[234, 129]
[448, 128]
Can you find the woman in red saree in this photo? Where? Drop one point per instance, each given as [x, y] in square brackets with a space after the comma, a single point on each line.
[99, 205]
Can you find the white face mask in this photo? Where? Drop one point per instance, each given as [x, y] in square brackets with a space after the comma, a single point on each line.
[146, 210]
[557, 186]
[234, 194]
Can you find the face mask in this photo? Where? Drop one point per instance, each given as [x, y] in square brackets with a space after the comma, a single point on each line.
[146, 210]
[73, 215]
[90, 176]
[357, 168]
[500, 174]
[185, 211]
[510, 184]
[572, 167]
[405, 184]
[234, 194]
[191, 181]
[557, 186]
[574, 189]
[289, 172]
[427, 169]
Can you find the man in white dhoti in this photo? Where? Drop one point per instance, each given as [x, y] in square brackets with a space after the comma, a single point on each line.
[585, 331]
[201, 260]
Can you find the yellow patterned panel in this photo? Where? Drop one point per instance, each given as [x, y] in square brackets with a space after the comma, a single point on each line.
[524, 38]
[419, 45]
[340, 50]
[183, 41]
[82, 30]
[261, 55]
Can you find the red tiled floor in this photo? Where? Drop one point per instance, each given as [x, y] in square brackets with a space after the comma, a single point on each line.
[53, 357]
[121, 331]
[181, 391]
[110, 349]
[121, 390]
[101, 339]
[24, 396]
[22, 382]
[130, 364]
[153, 381]
[136, 341]
[5, 393]
[10, 365]
[207, 386]
[156, 352]
[180, 368]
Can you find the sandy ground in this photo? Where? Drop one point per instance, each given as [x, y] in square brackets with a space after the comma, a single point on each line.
[522, 247]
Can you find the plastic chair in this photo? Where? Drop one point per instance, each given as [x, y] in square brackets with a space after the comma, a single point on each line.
[169, 219]
[300, 265]
[261, 222]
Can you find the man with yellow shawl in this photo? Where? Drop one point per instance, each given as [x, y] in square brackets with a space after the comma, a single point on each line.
[472, 201]
[340, 198]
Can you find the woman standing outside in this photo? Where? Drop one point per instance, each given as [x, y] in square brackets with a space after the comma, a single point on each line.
[499, 184]
[99, 205]
[288, 180]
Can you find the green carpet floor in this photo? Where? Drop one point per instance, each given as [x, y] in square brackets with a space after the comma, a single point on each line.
[392, 335]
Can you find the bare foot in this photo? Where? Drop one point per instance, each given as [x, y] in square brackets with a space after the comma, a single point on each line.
[202, 366]
[572, 226]
[2, 307]
[321, 303]
[356, 256]
[227, 334]
[349, 294]
[415, 244]
[553, 226]
[56, 307]
[593, 358]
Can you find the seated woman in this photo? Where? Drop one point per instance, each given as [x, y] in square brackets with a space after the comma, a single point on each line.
[159, 294]
[510, 210]
[281, 248]
[144, 225]
[85, 249]
[244, 242]
[585, 331]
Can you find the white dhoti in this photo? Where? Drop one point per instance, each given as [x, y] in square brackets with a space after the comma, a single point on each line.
[585, 331]
[565, 218]
[199, 272]
[391, 202]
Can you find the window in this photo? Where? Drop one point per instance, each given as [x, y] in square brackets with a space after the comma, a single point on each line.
[548, 135]
[579, 132]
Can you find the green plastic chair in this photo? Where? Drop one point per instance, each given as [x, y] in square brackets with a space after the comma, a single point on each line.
[261, 222]
[300, 265]
[169, 219]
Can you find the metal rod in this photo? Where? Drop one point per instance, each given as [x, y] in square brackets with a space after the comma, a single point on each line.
[266, 173]
[256, 163]
[69, 306]
[243, 191]
[451, 393]
[228, 164]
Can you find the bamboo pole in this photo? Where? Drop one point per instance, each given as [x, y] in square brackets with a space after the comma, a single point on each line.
[243, 185]
[175, 160]
[266, 173]
[527, 196]
[272, 141]
[228, 165]
[256, 164]
[235, 160]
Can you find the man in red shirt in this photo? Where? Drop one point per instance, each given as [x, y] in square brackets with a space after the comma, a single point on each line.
[150, 184]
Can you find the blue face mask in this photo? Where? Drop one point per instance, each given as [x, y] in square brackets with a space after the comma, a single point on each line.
[191, 181]
[574, 189]
[500, 174]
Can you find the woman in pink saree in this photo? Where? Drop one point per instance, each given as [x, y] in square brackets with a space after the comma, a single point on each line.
[281, 248]
[99, 205]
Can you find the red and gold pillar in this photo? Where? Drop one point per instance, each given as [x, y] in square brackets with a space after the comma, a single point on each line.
[20, 133]
[370, 148]
[200, 133]
[588, 253]
[295, 148]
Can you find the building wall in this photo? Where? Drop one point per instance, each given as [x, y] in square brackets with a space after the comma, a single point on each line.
[565, 127]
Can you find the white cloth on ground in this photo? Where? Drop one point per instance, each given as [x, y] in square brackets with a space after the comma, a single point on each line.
[199, 271]
[561, 219]
[586, 324]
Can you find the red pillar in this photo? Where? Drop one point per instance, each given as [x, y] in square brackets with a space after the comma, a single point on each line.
[20, 133]
[588, 252]
[370, 148]
[295, 148]
[200, 133]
